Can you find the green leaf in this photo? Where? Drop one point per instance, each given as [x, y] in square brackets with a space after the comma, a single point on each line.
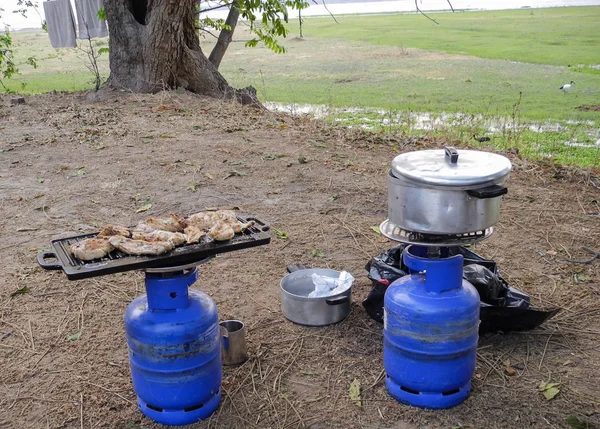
[32, 62]
[144, 208]
[102, 51]
[74, 337]
[40, 180]
[317, 253]
[543, 386]
[376, 229]
[355, 392]
[551, 393]
[101, 14]
[21, 291]
[281, 234]
[550, 390]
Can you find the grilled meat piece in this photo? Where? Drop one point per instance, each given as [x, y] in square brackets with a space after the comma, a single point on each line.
[142, 228]
[239, 227]
[229, 217]
[175, 238]
[91, 248]
[173, 223]
[221, 231]
[206, 220]
[203, 220]
[111, 230]
[194, 234]
[140, 247]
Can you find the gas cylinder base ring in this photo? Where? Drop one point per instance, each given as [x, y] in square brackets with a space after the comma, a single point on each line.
[430, 400]
[180, 417]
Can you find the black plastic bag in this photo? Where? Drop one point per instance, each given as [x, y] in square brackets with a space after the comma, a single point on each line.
[503, 308]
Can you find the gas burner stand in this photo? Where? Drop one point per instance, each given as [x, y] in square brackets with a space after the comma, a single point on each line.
[173, 337]
[431, 316]
[396, 233]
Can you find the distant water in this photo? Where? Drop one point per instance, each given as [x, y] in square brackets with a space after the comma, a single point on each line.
[340, 7]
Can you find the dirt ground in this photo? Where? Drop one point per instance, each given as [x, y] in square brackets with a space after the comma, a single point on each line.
[69, 164]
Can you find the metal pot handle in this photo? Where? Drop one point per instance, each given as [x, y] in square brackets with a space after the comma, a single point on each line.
[492, 191]
[295, 267]
[338, 301]
[451, 154]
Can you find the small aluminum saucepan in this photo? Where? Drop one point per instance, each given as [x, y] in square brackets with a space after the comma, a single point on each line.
[319, 311]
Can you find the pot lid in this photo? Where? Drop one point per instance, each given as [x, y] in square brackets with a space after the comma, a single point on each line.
[451, 167]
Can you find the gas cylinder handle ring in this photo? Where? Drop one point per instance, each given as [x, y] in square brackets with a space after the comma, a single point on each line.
[441, 274]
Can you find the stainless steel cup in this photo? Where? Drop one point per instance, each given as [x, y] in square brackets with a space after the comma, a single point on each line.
[233, 342]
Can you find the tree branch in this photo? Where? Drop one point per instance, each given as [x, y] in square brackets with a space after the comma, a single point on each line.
[329, 12]
[423, 13]
[226, 35]
[214, 8]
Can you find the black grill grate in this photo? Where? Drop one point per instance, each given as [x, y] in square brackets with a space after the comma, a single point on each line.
[115, 262]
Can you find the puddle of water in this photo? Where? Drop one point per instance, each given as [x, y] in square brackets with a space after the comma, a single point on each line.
[369, 119]
[417, 120]
[575, 143]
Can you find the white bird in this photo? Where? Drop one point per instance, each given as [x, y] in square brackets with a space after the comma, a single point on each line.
[566, 87]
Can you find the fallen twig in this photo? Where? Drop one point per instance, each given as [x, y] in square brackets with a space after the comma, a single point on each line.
[81, 409]
[377, 380]
[31, 335]
[544, 353]
[583, 261]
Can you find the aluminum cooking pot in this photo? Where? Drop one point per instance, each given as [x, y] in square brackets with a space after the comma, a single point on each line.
[446, 191]
[320, 311]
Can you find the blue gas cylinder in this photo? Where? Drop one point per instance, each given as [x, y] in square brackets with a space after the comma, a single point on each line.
[174, 349]
[431, 321]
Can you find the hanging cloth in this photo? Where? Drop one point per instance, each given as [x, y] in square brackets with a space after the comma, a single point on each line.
[89, 24]
[60, 23]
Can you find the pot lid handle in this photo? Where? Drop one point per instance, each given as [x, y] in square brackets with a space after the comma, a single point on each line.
[451, 155]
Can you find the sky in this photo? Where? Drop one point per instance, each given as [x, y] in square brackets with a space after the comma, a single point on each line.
[33, 20]
[16, 21]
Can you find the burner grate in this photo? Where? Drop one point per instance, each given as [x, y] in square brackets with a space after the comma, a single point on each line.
[60, 258]
[396, 233]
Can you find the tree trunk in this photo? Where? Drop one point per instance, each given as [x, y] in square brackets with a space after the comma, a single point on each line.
[222, 44]
[154, 46]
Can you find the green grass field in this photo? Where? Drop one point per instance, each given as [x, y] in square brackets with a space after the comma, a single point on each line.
[496, 72]
[556, 36]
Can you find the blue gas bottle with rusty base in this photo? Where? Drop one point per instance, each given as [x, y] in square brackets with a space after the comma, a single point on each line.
[174, 349]
[431, 321]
